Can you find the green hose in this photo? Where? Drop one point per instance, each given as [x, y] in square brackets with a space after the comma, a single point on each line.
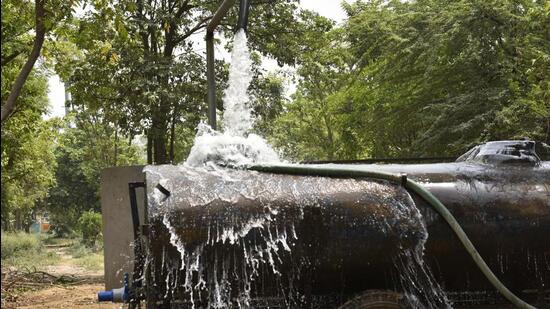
[411, 186]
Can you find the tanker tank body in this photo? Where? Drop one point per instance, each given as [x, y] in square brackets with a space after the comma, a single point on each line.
[232, 237]
[499, 192]
[288, 239]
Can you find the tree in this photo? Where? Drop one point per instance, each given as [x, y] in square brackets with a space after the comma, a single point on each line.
[40, 30]
[426, 78]
[16, 22]
[268, 100]
[441, 74]
[313, 125]
[28, 144]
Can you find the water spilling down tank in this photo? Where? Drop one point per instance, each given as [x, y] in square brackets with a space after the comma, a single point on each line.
[237, 237]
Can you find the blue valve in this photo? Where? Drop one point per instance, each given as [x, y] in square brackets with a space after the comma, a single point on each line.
[119, 295]
[105, 296]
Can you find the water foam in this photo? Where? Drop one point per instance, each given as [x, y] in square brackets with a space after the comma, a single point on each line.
[213, 147]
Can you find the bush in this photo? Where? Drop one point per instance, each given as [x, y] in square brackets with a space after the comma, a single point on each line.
[54, 239]
[90, 225]
[19, 244]
[25, 251]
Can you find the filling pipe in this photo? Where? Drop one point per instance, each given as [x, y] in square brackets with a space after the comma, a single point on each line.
[218, 16]
[210, 70]
[211, 80]
[244, 7]
[412, 186]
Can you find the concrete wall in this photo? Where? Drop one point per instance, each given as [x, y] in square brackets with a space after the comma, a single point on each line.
[117, 221]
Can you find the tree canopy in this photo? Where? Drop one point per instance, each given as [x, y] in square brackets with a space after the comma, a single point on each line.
[424, 78]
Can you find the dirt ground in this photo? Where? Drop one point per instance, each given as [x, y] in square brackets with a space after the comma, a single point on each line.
[81, 292]
[66, 267]
[79, 296]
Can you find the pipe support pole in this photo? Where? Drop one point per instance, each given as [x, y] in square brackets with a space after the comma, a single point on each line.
[210, 70]
[211, 79]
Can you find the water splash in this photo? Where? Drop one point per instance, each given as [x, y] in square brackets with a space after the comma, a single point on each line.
[230, 231]
[234, 146]
[214, 148]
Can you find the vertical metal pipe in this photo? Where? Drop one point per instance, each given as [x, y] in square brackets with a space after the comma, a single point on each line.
[211, 79]
[210, 73]
[244, 7]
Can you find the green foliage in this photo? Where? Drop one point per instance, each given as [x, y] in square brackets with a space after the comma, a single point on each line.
[458, 65]
[90, 225]
[17, 19]
[312, 126]
[23, 250]
[28, 142]
[19, 244]
[423, 78]
[268, 99]
[28, 145]
[88, 145]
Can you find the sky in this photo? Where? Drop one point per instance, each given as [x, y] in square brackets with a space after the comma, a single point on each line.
[328, 8]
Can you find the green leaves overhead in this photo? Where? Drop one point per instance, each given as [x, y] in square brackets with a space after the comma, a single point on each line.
[430, 78]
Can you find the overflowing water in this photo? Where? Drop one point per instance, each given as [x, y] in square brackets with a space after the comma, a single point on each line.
[240, 236]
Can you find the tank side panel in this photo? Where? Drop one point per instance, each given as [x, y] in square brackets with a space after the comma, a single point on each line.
[117, 221]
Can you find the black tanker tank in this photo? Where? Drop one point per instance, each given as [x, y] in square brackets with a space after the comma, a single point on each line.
[225, 237]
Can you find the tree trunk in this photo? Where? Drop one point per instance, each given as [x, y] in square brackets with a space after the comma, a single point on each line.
[159, 130]
[172, 136]
[116, 146]
[18, 220]
[161, 120]
[40, 29]
[159, 150]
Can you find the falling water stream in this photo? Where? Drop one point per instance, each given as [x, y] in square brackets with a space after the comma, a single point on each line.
[235, 145]
[232, 258]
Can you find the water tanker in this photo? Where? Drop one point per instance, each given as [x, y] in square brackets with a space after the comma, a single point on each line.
[310, 239]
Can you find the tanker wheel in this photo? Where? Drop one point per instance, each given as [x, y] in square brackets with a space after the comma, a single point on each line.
[375, 299]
